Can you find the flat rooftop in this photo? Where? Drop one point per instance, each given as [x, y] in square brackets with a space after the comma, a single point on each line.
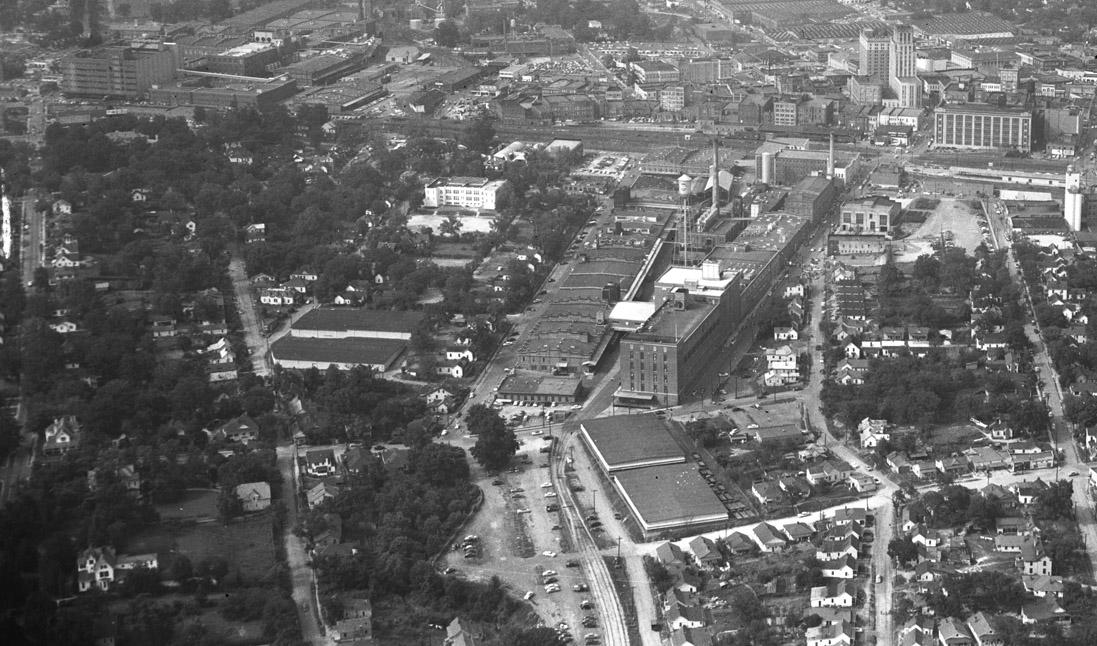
[670, 495]
[670, 324]
[536, 383]
[351, 350]
[631, 441]
[339, 318]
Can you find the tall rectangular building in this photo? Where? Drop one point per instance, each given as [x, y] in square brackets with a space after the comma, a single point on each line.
[664, 360]
[126, 72]
[902, 66]
[982, 127]
[873, 62]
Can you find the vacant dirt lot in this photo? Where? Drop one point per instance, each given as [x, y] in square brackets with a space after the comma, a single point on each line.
[513, 543]
[958, 217]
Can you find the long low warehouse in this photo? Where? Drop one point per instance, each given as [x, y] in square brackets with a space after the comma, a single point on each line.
[630, 442]
[302, 353]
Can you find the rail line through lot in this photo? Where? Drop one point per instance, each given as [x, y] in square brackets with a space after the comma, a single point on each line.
[610, 611]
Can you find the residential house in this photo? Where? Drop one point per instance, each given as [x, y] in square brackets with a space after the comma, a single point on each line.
[953, 632]
[923, 535]
[318, 494]
[898, 462]
[1044, 610]
[828, 471]
[862, 483]
[740, 544]
[781, 367]
[353, 630]
[1010, 525]
[320, 463]
[1027, 492]
[690, 637]
[837, 634]
[61, 436]
[1043, 585]
[458, 633]
[794, 487]
[835, 548]
[254, 496]
[243, 429]
[852, 371]
[917, 631]
[873, 431]
[1010, 543]
[705, 552]
[798, 532]
[767, 538]
[842, 568]
[952, 466]
[1033, 561]
[850, 516]
[785, 334]
[835, 594]
[687, 616]
[100, 567]
[1000, 431]
[767, 492]
[671, 556]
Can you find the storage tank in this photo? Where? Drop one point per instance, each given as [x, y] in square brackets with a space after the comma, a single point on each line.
[684, 182]
[768, 168]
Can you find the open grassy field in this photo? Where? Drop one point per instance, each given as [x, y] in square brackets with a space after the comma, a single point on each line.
[197, 504]
[246, 544]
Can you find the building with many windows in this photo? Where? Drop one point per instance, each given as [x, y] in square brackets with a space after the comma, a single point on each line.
[126, 72]
[870, 215]
[901, 67]
[983, 127]
[873, 61]
[470, 192]
[663, 361]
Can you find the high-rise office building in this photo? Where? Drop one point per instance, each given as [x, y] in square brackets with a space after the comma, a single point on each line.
[873, 63]
[901, 67]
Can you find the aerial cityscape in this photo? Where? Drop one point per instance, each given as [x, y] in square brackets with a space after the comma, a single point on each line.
[548, 322]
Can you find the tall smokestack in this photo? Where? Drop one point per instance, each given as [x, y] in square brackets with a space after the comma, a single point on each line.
[361, 10]
[715, 173]
[830, 158]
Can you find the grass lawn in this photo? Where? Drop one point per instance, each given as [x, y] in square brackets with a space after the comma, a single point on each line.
[246, 544]
[196, 504]
[233, 632]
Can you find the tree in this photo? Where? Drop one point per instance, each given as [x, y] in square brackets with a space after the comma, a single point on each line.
[441, 465]
[446, 34]
[495, 443]
[1055, 502]
[903, 550]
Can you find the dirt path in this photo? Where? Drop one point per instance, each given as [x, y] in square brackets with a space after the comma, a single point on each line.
[304, 579]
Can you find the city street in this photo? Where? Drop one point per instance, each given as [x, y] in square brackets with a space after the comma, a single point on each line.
[1060, 436]
[245, 306]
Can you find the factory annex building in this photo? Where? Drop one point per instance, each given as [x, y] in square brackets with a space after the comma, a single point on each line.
[346, 338]
[649, 471]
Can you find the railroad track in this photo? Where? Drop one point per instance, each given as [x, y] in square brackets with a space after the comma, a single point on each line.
[611, 614]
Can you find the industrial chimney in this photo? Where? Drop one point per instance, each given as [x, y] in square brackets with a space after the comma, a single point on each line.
[715, 174]
[830, 158]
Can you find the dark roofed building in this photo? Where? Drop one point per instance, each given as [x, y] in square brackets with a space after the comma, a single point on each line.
[630, 441]
[302, 353]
